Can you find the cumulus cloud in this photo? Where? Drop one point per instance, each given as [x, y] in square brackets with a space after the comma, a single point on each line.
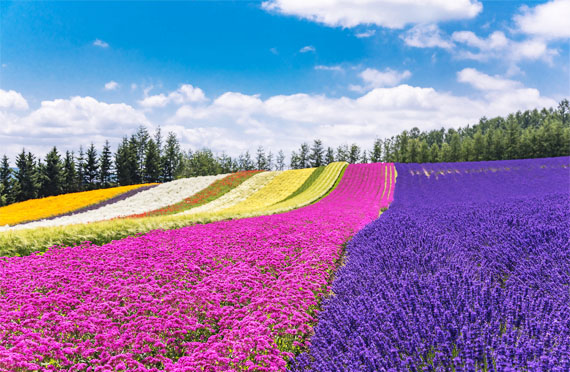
[112, 85]
[426, 36]
[67, 123]
[308, 48]
[468, 45]
[100, 43]
[364, 34]
[485, 82]
[498, 46]
[287, 120]
[497, 40]
[12, 100]
[385, 13]
[78, 116]
[548, 21]
[373, 78]
[185, 94]
[501, 92]
[234, 121]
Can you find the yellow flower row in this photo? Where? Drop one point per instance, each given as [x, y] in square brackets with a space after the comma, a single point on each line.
[318, 189]
[237, 195]
[276, 190]
[35, 209]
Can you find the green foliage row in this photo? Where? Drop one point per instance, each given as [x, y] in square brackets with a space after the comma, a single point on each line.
[308, 182]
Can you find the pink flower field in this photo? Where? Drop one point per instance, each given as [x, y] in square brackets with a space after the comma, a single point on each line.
[231, 295]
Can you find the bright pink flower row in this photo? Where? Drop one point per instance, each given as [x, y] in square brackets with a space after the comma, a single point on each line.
[229, 295]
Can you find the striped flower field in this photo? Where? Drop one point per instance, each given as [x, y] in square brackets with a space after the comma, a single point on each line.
[360, 267]
[240, 294]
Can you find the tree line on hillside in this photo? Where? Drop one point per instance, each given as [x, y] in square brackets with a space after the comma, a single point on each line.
[143, 158]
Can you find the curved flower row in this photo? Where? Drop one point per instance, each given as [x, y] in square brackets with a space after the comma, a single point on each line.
[212, 192]
[161, 196]
[23, 242]
[237, 195]
[36, 209]
[467, 271]
[230, 295]
[323, 184]
[277, 189]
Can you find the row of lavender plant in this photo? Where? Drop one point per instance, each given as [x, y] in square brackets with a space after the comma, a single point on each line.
[469, 270]
[231, 295]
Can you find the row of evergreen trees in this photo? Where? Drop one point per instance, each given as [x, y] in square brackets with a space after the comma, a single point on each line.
[145, 158]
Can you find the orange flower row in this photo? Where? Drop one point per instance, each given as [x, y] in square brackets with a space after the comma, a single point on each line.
[36, 209]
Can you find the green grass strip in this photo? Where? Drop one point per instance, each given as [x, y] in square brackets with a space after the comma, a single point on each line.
[312, 178]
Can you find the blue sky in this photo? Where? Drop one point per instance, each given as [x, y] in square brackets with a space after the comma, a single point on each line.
[233, 75]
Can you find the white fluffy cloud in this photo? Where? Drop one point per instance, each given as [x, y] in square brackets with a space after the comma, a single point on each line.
[501, 92]
[373, 78]
[426, 36]
[385, 13]
[12, 100]
[67, 123]
[364, 34]
[548, 21]
[185, 94]
[308, 48]
[100, 43]
[497, 40]
[284, 121]
[234, 122]
[112, 85]
[485, 82]
[498, 46]
[468, 45]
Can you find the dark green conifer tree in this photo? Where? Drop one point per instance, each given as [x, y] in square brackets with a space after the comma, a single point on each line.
[106, 166]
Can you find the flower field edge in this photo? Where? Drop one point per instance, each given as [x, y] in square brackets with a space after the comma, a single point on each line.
[159, 196]
[54, 206]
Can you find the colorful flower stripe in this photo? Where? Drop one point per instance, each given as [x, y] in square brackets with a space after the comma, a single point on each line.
[36, 209]
[278, 189]
[231, 295]
[388, 194]
[212, 192]
[115, 199]
[467, 271]
[235, 196]
[322, 185]
[23, 242]
[308, 182]
[163, 195]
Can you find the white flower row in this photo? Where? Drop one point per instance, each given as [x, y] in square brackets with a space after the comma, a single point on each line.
[157, 197]
[237, 195]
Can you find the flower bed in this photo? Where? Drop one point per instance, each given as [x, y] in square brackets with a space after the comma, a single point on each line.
[210, 193]
[231, 295]
[163, 195]
[36, 209]
[467, 271]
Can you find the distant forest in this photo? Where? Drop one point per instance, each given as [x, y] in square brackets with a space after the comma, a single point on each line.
[143, 157]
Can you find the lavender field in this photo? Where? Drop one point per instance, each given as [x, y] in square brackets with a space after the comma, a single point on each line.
[469, 270]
